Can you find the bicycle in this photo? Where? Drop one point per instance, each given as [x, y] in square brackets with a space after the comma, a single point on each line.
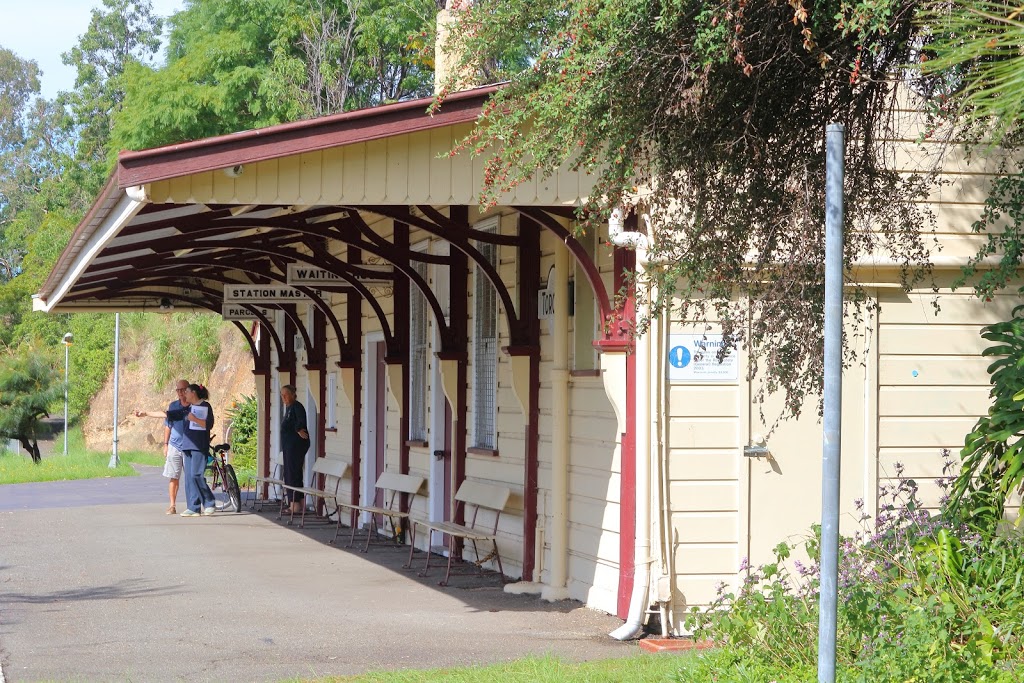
[221, 473]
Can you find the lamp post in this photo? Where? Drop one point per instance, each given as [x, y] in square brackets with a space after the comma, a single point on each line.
[67, 346]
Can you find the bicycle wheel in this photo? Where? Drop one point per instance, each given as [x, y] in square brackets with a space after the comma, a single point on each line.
[231, 486]
[214, 477]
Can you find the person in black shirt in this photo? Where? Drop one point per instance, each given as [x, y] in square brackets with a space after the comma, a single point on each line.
[197, 415]
[294, 444]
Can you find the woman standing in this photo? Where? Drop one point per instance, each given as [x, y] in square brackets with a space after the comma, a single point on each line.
[294, 444]
[195, 449]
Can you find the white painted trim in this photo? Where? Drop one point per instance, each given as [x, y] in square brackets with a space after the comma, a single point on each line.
[436, 500]
[122, 214]
[368, 461]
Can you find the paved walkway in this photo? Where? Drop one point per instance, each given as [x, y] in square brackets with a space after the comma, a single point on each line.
[97, 584]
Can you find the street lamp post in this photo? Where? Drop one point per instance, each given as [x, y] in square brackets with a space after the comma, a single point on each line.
[67, 346]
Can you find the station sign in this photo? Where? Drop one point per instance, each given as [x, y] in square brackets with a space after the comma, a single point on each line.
[240, 312]
[310, 276]
[694, 358]
[264, 294]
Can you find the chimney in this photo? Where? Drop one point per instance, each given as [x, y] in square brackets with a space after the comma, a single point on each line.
[444, 59]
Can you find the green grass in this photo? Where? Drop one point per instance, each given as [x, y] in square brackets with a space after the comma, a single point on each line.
[18, 468]
[650, 668]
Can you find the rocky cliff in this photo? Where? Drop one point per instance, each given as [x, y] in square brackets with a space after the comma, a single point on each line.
[231, 378]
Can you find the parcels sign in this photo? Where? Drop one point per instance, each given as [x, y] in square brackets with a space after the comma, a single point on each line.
[242, 312]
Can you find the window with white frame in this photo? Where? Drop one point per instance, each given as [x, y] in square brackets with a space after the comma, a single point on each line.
[332, 401]
[418, 358]
[485, 348]
[584, 319]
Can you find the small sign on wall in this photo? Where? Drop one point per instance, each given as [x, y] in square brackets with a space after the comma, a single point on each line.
[694, 358]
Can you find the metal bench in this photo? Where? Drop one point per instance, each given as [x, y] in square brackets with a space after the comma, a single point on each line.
[330, 469]
[274, 479]
[392, 485]
[475, 495]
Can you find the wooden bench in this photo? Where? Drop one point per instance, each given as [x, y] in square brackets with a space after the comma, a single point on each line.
[392, 485]
[275, 478]
[475, 495]
[331, 469]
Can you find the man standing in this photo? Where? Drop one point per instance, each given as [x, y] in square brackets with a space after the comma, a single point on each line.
[172, 441]
[294, 444]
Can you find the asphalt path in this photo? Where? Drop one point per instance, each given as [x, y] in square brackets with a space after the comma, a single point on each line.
[97, 584]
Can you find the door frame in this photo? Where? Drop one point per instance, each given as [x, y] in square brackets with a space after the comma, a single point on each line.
[371, 392]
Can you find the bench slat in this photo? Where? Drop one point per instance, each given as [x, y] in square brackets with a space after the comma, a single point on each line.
[403, 483]
[483, 495]
[458, 530]
[330, 467]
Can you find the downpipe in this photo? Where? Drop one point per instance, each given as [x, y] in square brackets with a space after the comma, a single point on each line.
[635, 617]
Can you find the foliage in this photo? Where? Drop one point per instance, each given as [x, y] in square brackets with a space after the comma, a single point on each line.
[1002, 224]
[993, 453]
[122, 33]
[77, 464]
[243, 417]
[184, 345]
[29, 387]
[545, 669]
[975, 53]
[711, 119]
[922, 597]
[234, 66]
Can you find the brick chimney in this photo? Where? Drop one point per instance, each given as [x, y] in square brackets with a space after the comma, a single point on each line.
[444, 60]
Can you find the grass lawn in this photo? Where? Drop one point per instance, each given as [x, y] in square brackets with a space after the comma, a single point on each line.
[650, 668]
[17, 468]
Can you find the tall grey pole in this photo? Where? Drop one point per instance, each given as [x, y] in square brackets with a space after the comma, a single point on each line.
[833, 397]
[67, 346]
[117, 344]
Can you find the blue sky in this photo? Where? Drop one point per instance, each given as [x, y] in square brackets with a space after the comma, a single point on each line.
[42, 29]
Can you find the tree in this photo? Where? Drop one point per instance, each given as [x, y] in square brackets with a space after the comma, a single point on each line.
[235, 66]
[711, 117]
[975, 56]
[120, 34]
[29, 386]
[19, 85]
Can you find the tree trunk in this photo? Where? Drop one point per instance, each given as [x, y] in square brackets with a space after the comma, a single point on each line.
[32, 447]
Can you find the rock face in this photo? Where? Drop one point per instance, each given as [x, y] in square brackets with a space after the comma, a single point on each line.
[231, 378]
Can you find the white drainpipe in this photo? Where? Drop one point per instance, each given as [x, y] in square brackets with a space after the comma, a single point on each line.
[642, 546]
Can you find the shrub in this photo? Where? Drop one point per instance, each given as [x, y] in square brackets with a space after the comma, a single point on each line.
[243, 434]
[922, 598]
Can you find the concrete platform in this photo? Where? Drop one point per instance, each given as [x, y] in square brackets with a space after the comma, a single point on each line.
[97, 584]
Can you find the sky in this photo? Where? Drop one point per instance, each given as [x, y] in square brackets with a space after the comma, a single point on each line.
[43, 29]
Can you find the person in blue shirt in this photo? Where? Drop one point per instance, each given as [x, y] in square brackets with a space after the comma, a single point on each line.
[172, 441]
[196, 447]
[196, 416]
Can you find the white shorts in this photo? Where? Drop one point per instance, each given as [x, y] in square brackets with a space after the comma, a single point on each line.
[173, 465]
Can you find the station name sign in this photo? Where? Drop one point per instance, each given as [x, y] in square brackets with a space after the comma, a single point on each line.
[263, 294]
[243, 312]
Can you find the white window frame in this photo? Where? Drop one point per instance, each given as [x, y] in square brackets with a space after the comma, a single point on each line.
[418, 321]
[332, 401]
[485, 401]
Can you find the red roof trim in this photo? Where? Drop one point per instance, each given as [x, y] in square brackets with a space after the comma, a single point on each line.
[162, 163]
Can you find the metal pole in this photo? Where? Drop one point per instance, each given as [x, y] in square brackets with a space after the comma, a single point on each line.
[830, 458]
[67, 347]
[117, 339]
